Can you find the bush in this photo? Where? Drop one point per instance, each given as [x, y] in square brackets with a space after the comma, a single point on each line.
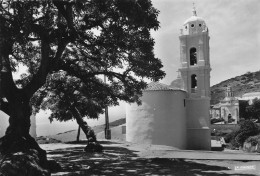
[230, 136]
[237, 138]
[253, 140]
[212, 121]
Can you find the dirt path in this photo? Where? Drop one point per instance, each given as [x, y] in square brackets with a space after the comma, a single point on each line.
[132, 159]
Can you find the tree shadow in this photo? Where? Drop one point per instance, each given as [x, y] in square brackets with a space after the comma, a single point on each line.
[85, 142]
[121, 161]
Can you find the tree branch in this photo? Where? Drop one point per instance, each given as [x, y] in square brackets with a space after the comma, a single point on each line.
[38, 80]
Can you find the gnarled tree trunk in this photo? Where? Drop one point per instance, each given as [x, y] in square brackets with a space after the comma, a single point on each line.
[17, 137]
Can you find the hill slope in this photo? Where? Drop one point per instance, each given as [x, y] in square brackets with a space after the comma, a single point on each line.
[249, 82]
[71, 135]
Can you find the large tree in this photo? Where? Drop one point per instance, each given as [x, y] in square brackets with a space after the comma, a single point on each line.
[84, 39]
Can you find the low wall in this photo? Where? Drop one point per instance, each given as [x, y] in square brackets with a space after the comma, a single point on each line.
[224, 127]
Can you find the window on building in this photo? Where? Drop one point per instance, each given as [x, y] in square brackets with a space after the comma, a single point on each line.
[193, 56]
[193, 83]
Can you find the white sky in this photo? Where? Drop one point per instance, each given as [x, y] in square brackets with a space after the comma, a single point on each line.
[234, 29]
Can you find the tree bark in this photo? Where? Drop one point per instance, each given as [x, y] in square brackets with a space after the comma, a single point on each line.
[17, 137]
[82, 124]
[78, 135]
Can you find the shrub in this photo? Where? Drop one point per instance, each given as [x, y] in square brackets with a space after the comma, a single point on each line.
[237, 138]
[216, 120]
[253, 140]
[247, 129]
[230, 136]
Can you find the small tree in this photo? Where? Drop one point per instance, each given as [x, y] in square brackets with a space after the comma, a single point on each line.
[69, 98]
[247, 129]
[243, 104]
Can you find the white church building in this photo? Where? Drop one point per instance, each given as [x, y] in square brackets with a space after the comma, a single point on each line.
[178, 115]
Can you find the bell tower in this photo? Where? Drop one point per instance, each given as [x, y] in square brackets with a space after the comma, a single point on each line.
[194, 57]
[195, 72]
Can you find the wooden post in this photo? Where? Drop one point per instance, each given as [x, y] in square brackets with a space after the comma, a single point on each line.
[107, 130]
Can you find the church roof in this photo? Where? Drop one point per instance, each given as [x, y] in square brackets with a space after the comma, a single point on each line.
[177, 83]
[194, 17]
[155, 86]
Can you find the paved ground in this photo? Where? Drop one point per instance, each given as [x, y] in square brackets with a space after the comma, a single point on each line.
[133, 159]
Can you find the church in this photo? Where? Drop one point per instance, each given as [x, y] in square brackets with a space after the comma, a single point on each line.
[178, 115]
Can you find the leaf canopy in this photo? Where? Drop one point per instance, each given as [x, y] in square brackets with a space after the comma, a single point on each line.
[69, 46]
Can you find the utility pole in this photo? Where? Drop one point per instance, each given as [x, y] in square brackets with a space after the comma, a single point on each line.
[107, 130]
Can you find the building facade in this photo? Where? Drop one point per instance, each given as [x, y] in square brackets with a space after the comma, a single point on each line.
[227, 110]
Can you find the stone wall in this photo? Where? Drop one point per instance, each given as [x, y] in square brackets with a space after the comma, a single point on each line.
[224, 127]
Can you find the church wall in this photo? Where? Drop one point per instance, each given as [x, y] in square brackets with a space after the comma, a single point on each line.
[198, 124]
[161, 119]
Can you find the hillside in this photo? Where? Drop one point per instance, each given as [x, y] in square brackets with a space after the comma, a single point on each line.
[71, 135]
[249, 82]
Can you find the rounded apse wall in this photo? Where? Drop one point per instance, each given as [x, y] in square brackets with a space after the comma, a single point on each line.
[161, 119]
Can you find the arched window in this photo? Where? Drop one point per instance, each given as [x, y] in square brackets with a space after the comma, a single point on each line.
[193, 83]
[193, 56]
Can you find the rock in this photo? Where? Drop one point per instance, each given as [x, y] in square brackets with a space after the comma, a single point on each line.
[93, 147]
[23, 164]
[248, 147]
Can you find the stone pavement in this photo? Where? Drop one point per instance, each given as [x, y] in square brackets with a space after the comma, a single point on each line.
[121, 158]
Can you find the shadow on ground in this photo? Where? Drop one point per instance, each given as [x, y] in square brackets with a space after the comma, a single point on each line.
[121, 161]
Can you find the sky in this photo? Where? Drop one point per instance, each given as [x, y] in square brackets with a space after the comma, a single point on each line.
[234, 31]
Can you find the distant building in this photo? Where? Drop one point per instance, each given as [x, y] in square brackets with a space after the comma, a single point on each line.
[227, 109]
[178, 115]
[250, 96]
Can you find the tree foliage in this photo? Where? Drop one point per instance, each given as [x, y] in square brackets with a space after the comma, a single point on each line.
[243, 104]
[253, 110]
[247, 129]
[68, 46]
[72, 45]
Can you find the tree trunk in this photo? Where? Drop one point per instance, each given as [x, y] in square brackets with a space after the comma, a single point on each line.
[83, 125]
[78, 135]
[17, 137]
